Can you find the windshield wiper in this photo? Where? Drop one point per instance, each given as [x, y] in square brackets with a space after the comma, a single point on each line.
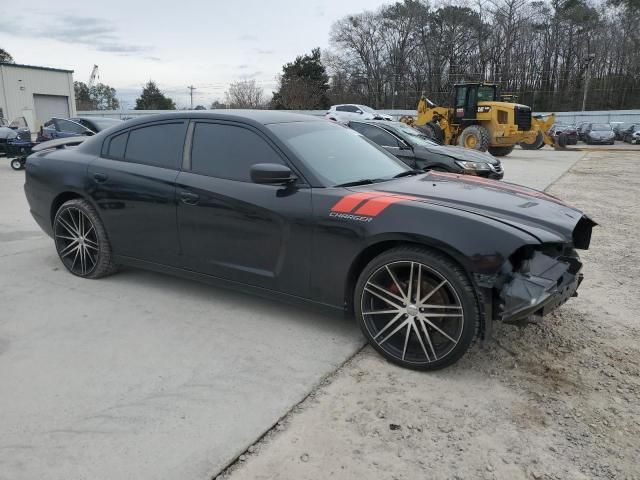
[355, 183]
[409, 172]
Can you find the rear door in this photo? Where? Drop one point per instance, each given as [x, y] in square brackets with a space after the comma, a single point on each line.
[234, 229]
[133, 185]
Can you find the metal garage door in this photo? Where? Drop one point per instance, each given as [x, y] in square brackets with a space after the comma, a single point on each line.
[48, 106]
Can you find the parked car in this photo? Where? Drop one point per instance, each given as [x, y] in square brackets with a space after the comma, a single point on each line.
[619, 129]
[599, 133]
[570, 131]
[96, 124]
[18, 131]
[632, 134]
[62, 128]
[580, 128]
[306, 210]
[347, 112]
[418, 151]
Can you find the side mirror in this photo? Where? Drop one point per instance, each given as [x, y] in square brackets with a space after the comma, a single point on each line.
[88, 133]
[359, 112]
[271, 174]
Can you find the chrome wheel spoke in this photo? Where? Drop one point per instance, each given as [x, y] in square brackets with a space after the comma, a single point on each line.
[441, 307]
[386, 292]
[430, 294]
[428, 337]
[376, 294]
[72, 247]
[395, 281]
[417, 332]
[380, 312]
[67, 226]
[438, 315]
[440, 331]
[410, 285]
[386, 327]
[406, 338]
[395, 330]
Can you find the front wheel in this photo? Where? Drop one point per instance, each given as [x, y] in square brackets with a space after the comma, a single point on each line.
[417, 308]
[538, 142]
[81, 240]
[474, 137]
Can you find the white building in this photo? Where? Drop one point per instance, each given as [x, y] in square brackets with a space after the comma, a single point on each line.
[35, 93]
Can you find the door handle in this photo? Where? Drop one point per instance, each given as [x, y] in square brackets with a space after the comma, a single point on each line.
[100, 177]
[189, 198]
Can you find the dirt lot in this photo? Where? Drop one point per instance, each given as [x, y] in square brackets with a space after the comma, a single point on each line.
[559, 400]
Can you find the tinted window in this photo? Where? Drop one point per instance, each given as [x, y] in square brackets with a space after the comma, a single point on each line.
[336, 154]
[226, 151]
[376, 135]
[117, 145]
[158, 145]
[342, 108]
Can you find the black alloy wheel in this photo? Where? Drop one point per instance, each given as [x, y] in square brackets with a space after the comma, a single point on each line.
[417, 308]
[81, 240]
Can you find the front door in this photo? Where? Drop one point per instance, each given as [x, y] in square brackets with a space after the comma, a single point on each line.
[234, 229]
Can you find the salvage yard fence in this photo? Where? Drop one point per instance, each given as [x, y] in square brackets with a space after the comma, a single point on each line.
[596, 116]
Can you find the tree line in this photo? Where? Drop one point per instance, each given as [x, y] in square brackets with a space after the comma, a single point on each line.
[539, 50]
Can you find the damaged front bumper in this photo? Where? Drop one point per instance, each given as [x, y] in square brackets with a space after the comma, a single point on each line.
[539, 286]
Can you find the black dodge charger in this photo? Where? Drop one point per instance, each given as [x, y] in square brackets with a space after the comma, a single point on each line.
[308, 211]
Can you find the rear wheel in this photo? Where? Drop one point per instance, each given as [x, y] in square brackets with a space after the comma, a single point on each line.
[474, 137]
[537, 143]
[417, 308]
[501, 151]
[81, 240]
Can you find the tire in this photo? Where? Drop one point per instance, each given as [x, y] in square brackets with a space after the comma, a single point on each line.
[537, 143]
[501, 151]
[474, 137]
[433, 131]
[89, 257]
[16, 164]
[562, 141]
[390, 323]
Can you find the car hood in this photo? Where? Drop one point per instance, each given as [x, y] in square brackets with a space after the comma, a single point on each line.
[547, 218]
[459, 153]
[598, 134]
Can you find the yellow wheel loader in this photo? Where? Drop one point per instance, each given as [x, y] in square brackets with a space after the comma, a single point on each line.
[480, 120]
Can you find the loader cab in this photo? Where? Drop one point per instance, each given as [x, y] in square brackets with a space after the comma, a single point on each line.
[467, 96]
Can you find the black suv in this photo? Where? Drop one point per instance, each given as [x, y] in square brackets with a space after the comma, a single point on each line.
[420, 152]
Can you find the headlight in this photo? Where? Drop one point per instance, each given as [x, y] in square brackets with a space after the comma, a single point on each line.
[473, 165]
[483, 109]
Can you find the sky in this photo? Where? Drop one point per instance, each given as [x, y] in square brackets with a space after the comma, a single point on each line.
[207, 44]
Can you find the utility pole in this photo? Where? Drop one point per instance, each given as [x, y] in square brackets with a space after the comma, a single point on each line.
[191, 89]
[587, 77]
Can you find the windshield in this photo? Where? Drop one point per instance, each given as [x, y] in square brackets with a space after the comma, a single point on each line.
[599, 127]
[336, 154]
[413, 135]
[364, 108]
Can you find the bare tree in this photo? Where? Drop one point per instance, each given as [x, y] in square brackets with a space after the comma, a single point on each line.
[245, 94]
[534, 49]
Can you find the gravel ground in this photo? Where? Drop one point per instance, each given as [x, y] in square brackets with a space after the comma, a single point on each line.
[557, 400]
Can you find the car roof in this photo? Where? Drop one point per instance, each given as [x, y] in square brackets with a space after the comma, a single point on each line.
[264, 117]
